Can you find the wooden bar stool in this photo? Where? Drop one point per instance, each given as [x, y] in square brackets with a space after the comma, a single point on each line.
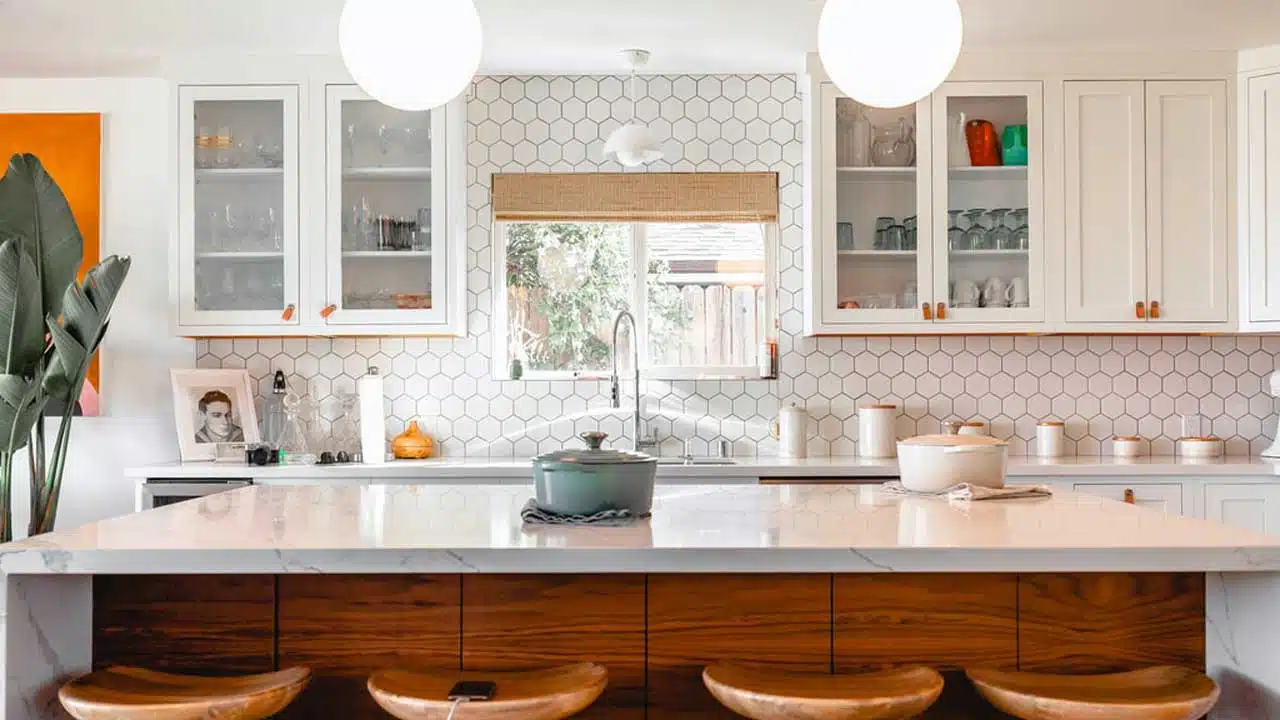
[1156, 693]
[762, 694]
[551, 694]
[130, 693]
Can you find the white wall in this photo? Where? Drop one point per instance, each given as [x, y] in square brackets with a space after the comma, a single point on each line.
[137, 198]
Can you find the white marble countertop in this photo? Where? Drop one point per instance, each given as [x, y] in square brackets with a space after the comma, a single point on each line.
[696, 528]
[500, 470]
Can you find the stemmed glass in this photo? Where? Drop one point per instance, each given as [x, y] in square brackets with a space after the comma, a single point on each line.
[977, 237]
[955, 234]
[1021, 233]
[1000, 237]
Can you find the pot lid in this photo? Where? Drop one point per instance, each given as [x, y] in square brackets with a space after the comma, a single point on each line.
[952, 440]
[1051, 423]
[593, 454]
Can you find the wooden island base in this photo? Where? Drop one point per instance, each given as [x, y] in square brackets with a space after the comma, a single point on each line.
[653, 632]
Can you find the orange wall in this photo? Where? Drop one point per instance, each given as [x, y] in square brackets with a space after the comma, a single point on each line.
[70, 147]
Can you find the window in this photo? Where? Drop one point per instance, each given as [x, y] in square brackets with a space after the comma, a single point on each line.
[702, 294]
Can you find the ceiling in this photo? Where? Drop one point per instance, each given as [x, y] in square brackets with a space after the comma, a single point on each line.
[525, 36]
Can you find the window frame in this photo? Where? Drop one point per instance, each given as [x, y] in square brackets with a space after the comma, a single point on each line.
[501, 369]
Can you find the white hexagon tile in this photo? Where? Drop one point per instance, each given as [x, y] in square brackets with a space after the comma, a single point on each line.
[1100, 386]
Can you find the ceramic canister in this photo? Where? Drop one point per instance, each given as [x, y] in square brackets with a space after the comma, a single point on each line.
[1051, 439]
[793, 432]
[876, 437]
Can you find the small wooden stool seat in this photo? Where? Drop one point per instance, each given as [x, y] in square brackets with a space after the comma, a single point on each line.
[551, 694]
[129, 693]
[1156, 693]
[763, 694]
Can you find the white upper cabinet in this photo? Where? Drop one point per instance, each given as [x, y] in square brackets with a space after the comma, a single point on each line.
[311, 210]
[1187, 245]
[1261, 239]
[1106, 201]
[1146, 245]
[912, 236]
[238, 250]
[387, 250]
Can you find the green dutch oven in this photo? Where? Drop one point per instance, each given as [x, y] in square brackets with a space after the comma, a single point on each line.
[588, 480]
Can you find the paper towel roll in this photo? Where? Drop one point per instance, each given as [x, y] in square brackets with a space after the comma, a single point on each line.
[373, 418]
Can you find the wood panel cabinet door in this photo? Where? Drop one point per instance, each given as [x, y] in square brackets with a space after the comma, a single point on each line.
[1106, 200]
[1186, 167]
[1263, 197]
[1251, 507]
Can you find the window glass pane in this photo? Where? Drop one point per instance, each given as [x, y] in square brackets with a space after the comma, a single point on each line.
[566, 282]
[705, 290]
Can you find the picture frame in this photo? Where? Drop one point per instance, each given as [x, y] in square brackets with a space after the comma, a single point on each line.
[213, 407]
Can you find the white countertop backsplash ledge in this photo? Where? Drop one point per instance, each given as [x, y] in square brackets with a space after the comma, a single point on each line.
[743, 469]
[698, 528]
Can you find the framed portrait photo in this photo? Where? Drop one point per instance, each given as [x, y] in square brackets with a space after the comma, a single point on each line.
[212, 407]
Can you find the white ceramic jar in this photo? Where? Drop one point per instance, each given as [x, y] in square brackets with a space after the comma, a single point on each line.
[1126, 446]
[793, 432]
[1199, 447]
[876, 435]
[1051, 439]
[974, 427]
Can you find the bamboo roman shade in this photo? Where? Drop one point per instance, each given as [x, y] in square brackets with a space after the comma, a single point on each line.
[636, 197]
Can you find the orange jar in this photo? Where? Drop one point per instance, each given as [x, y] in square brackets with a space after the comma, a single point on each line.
[984, 143]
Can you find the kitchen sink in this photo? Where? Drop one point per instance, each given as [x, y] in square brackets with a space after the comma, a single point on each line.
[696, 461]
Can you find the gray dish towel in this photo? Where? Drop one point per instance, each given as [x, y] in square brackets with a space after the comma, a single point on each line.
[967, 492]
[533, 514]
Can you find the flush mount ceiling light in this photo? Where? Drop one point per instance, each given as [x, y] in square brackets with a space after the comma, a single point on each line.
[411, 54]
[889, 53]
[633, 144]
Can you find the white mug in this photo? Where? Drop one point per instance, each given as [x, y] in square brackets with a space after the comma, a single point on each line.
[967, 294]
[1019, 293]
[995, 293]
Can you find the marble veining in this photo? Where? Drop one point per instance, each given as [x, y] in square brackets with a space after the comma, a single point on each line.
[694, 528]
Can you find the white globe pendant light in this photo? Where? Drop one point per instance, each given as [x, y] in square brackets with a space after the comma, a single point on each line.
[633, 144]
[889, 53]
[411, 54]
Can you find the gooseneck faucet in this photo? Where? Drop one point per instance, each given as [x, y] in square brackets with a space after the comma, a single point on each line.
[616, 391]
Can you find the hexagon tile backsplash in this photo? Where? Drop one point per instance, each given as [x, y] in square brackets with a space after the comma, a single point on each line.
[1101, 386]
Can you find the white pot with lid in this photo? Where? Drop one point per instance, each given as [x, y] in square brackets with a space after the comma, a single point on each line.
[932, 463]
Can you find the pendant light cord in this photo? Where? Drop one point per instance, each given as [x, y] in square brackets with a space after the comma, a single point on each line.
[633, 93]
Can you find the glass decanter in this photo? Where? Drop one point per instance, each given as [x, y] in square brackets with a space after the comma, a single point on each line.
[295, 448]
[346, 434]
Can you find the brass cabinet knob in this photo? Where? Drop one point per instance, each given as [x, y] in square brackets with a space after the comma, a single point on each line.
[928, 311]
[1155, 309]
[942, 311]
[329, 310]
[1140, 310]
[287, 315]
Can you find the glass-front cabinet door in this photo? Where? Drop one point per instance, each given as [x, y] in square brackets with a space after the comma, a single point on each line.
[386, 204]
[875, 259]
[238, 206]
[988, 184]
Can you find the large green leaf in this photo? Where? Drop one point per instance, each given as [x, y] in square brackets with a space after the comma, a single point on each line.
[21, 318]
[21, 404]
[33, 209]
[85, 312]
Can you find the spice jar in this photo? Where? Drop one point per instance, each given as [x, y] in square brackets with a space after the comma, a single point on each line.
[1051, 439]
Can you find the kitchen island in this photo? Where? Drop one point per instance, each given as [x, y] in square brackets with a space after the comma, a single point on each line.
[348, 579]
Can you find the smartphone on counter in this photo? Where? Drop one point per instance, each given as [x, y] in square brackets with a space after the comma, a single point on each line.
[473, 690]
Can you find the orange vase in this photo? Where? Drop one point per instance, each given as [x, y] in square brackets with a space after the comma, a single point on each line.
[984, 144]
[412, 444]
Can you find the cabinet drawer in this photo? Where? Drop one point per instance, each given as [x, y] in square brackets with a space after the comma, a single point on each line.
[1165, 497]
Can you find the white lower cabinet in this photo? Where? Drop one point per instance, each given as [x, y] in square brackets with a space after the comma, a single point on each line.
[1165, 497]
[1247, 506]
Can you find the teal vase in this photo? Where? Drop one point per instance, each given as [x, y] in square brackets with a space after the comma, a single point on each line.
[1015, 145]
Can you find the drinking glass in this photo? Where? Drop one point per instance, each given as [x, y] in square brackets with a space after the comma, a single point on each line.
[1000, 237]
[977, 237]
[955, 234]
[1021, 233]
[895, 237]
[228, 229]
[912, 240]
[883, 224]
[269, 230]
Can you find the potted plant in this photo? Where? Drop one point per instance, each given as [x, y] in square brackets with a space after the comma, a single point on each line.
[50, 327]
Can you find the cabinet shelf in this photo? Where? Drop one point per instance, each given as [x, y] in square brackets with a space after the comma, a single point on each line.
[987, 253]
[387, 173]
[386, 254]
[1013, 172]
[240, 255]
[229, 174]
[886, 254]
